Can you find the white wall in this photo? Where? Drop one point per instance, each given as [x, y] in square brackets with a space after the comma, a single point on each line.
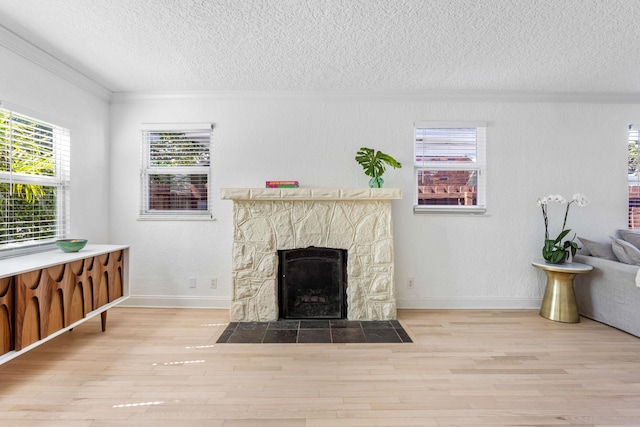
[33, 90]
[534, 148]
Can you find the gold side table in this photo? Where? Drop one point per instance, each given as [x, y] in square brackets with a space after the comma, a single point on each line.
[559, 301]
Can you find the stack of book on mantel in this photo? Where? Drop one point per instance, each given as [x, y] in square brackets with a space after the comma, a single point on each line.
[282, 184]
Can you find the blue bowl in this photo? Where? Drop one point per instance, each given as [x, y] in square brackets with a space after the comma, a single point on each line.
[71, 245]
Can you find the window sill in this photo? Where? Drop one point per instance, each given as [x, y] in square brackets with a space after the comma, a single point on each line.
[208, 217]
[22, 250]
[449, 210]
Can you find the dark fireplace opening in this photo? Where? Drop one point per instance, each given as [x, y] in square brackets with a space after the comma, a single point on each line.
[312, 283]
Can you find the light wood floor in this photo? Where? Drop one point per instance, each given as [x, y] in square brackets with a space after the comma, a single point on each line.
[161, 367]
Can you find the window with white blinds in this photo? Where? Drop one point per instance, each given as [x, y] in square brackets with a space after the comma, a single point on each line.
[34, 182]
[176, 171]
[633, 176]
[450, 167]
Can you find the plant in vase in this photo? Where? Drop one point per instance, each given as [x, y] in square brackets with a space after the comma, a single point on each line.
[374, 164]
[556, 251]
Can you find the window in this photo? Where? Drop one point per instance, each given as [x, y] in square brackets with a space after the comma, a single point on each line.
[450, 167]
[34, 182]
[176, 172]
[633, 173]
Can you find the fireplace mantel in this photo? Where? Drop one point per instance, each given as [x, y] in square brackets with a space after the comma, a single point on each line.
[292, 194]
[266, 220]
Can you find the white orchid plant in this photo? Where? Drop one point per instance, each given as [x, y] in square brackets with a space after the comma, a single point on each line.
[556, 250]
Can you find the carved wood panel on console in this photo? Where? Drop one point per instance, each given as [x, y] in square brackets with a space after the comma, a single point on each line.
[52, 298]
[6, 315]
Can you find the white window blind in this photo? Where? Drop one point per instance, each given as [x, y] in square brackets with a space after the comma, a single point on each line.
[176, 172]
[34, 181]
[633, 177]
[633, 159]
[450, 167]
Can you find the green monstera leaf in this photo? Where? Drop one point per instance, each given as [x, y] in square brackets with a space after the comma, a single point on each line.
[375, 162]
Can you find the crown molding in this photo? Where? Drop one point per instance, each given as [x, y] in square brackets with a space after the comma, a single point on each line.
[387, 96]
[20, 46]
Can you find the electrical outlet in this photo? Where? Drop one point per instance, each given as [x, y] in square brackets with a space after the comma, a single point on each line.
[410, 283]
[214, 283]
[192, 282]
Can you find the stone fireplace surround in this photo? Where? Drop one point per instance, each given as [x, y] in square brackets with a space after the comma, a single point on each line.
[266, 220]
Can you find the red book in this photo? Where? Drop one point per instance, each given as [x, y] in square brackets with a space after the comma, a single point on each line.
[282, 184]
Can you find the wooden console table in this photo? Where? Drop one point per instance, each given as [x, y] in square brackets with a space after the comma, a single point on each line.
[45, 294]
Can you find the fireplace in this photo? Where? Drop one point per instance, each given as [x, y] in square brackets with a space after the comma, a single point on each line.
[268, 220]
[312, 283]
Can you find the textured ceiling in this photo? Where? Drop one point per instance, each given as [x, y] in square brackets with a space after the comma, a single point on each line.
[339, 45]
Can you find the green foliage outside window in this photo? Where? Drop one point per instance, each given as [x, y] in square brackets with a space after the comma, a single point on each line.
[27, 211]
[633, 158]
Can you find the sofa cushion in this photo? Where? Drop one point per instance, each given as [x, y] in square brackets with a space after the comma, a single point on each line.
[631, 236]
[599, 250]
[625, 251]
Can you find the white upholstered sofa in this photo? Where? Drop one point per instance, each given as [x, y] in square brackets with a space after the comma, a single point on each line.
[610, 293]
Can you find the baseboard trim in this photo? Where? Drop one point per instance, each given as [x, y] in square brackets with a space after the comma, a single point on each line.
[171, 301]
[469, 303]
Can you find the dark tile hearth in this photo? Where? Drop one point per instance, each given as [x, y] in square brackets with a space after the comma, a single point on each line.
[315, 331]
